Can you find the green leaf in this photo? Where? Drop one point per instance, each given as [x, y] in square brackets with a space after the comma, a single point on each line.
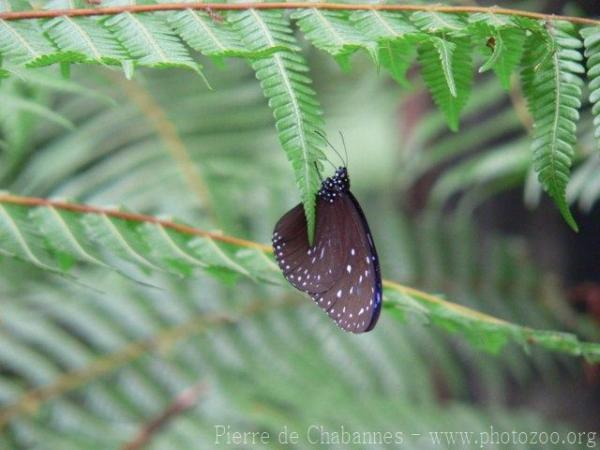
[552, 87]
[483, 331]
[211, 38]
[19, 238]
[396, 37]
[86, 37]
[22, 104]
[501, 41]
[492, 21]
[447, 71]
[23, 42]
[396, 57]
[64, 237]
[382, 25]
[591, 42]
[150, 41]
[283, 78]
[437, 22]
[506, 55]
[332, 32]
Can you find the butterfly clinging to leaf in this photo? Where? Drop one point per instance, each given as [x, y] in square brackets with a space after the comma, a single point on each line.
[340, 270]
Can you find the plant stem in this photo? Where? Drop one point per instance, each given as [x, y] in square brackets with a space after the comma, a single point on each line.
[39, 14]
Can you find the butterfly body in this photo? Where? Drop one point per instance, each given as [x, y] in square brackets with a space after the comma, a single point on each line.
[340, 271]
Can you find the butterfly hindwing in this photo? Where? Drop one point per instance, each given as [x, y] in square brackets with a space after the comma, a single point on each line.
[354, 301]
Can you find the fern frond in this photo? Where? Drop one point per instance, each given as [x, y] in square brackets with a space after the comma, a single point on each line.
[396, 57]
[86, 37]
[436, 22]
[294, 103]
[332, 32]
[502, 41]
[447, 71]
[20, 239]
[23, 42]
[150, 41]
[382, 24]
[217, 40]
[17, 103]
[591, 42]
[506, 54]
[43, 233]
[65, 4]
[60, 237]
[396, 37]
[552, 87]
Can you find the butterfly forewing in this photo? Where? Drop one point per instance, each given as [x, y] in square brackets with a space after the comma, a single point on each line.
[311, 269]
[341, 270]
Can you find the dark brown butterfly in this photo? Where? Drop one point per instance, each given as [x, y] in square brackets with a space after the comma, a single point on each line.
[340, 271]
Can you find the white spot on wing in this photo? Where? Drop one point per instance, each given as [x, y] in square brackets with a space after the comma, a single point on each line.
[339, 294]
[348, 268]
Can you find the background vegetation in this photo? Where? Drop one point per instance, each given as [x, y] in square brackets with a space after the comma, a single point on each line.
[119, 331]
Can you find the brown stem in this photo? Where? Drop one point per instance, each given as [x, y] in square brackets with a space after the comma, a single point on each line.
[39, 14]
[134, 217]
[184, 401]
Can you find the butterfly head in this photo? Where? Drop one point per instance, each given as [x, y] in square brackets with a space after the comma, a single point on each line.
[335, 186]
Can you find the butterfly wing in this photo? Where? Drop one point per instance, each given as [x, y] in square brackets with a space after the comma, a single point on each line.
[341, 271]
[354, 301]
[309, 269]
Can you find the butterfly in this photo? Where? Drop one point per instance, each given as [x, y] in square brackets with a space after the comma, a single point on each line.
[340, 271]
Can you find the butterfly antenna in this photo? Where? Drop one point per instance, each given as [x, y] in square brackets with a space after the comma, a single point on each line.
[318, 171]
[332, 164]
[345, 149]
[322, 135]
